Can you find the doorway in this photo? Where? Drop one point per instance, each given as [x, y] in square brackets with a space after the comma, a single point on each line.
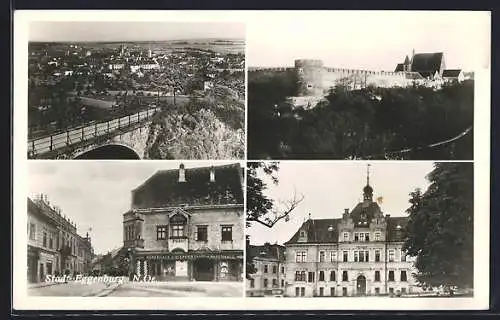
[361, 286]
[204, 270]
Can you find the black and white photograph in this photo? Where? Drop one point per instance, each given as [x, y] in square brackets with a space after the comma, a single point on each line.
[136, 90]
[361, 230]
[148, 229]
[346, 86]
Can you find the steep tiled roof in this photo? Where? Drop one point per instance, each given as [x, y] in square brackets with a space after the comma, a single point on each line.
[400, 67]
[163, 189]
[318, 230]
[427, 62]
[451, 73]
[268, 251]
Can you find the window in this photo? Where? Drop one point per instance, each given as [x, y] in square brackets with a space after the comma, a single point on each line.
[310, 277]
[275, 283]
[300, 256]
[297, 291]
[161, 232]
[282, 269]
[391, 255]
[344, 291]
[346, 236]
[332, 292]
[201, 233]
[300, 276]
[321, 291]
[265, 283]
[377, 255]
[178, 230]
[275, 269]
[345, 256]
[403, 256]
[356, 236]
[344, 276]
[377, 236]
[403, 276]
[227, 233]
[391, 275]
[252, 283]
[403, 290]
[377, 275]
[333, 256]
[32, 231]
[302, 291]
[391, 290]
[282, 282]
[302, 234]
[51, 241]
[356, 256]
[321, 256]
[321, 276]
[367, 237]
[45, 239]
[377, 290]
[265, 268]
[332, 275]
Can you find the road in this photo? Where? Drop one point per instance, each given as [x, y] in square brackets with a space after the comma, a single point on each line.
[179, 289]
[142, 289]
[77, 135]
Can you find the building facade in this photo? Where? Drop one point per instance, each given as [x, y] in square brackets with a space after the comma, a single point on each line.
[359, 254]
[269, 276]
[187, 224]
[54, 246]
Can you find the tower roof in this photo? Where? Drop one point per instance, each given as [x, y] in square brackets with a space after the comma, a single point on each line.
[407, 60]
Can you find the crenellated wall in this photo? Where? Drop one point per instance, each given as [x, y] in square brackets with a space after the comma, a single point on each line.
[314, 79]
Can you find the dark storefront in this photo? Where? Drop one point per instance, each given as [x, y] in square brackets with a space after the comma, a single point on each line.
[33, 258]
[191, 266]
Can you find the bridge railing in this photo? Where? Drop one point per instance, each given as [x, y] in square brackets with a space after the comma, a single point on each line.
[81, 134]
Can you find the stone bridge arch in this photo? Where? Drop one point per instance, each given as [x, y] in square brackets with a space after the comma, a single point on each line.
[112, 150]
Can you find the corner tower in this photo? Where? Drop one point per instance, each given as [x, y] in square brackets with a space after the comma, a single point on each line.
[309, 77]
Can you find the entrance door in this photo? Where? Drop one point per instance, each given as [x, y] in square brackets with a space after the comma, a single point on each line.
[204, 270]
[42, 273]
[32, 269]
[361, 286]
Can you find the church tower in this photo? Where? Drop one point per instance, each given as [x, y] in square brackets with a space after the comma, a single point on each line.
[368, 190]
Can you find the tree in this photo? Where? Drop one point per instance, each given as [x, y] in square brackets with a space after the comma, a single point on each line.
[260, 208]
[440, 228]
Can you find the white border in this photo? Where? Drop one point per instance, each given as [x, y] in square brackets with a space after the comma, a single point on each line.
[22, 301]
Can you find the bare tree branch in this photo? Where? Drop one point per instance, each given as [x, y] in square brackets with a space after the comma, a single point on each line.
[281, 212]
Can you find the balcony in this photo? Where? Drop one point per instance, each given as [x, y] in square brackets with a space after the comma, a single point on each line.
[136, 243]
[178, 243]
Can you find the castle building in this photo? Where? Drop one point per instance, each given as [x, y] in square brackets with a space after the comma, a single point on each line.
[359, 254]
[54, 246]
[187, 224]
[269, 276]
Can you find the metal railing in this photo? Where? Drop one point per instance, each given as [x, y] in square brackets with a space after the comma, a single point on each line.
[84, 133]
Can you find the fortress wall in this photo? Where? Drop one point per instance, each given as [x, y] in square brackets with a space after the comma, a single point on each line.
[349, 77]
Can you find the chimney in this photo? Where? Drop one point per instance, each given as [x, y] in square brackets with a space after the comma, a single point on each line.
[182, 173]
[248, 240]
[345, 214]
[212, 174]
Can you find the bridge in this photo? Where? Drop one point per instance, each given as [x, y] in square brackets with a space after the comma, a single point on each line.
[120, 138]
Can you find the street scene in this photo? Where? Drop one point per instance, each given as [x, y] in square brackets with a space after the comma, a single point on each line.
[182, 236]
[363, 230]
[152, 93]
[381, 99]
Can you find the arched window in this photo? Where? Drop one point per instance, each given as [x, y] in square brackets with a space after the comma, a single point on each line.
[178, 223]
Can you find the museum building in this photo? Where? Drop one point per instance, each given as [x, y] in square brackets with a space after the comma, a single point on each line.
[187, 225]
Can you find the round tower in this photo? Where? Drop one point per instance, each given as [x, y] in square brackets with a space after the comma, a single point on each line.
[309, 77]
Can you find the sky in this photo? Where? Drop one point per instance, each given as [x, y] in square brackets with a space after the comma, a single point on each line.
[75, 31]
[330, 187]
[95, 194]
[371, 40]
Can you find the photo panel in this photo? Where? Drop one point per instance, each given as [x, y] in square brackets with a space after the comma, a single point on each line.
[135, 229]
[136, 90]
[352, 86]
[364, 230]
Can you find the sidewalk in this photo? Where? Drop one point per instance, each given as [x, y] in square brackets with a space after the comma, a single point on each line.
[74, 289]
[42, 284]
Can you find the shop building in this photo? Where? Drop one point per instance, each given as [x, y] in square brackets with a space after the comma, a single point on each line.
[187, 225]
